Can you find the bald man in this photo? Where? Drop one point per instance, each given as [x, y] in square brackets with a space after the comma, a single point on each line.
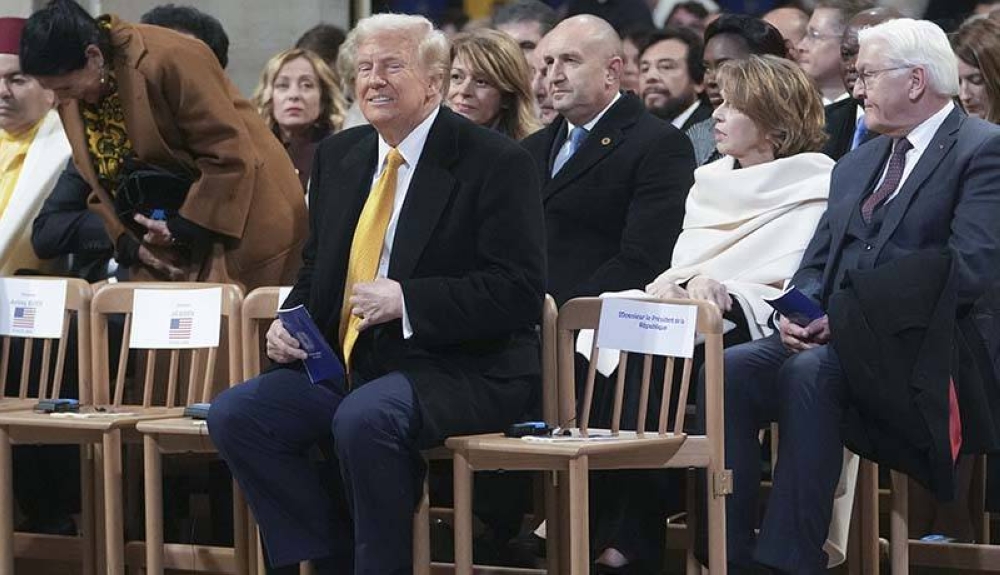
[792, 23]
[845, 118]
[615, 178]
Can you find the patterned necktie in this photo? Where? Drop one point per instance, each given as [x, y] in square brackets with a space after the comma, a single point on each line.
[893, 175]
[576, 137]
[860, 133]
[366, 248]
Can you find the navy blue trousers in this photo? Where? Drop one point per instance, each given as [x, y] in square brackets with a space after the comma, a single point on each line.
[265, 429]
[803, 392]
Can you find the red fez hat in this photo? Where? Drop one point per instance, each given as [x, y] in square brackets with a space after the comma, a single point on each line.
[10, 35]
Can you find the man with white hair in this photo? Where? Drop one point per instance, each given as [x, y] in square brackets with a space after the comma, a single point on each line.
[425, 271]
[928, 183]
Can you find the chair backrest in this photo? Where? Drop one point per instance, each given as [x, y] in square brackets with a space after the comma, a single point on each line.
[550, 361]
[50, 376]
[585, 313]
[259, 310]
[190, 374]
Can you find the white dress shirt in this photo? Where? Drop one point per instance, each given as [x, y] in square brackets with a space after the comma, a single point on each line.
[589, 126]
[683, 116]
[920, 138]
[411, 149]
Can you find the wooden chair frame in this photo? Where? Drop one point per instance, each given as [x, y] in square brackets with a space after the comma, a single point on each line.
[108, 434]
[78, 299]
[643, 450]
[185, 435]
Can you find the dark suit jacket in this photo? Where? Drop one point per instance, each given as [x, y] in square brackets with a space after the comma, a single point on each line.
[614, 211]
[701, 113]
[65, 227]
[949, 200]
[469, 255]
[900, 342]
[841, 121]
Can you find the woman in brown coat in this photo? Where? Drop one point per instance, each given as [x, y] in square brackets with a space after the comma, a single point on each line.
[136, 97]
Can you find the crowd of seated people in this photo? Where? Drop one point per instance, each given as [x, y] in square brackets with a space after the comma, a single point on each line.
[423, 192]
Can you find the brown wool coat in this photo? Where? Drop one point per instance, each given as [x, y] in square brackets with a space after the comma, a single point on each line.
[182, 113]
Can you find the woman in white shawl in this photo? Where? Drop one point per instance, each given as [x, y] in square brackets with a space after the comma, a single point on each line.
[748, 219]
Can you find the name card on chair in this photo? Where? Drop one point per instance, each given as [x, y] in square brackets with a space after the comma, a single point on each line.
[176, 319]
[32, 308]
[647, 327]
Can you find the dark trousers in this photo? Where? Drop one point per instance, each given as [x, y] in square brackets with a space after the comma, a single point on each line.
[265, 428]
[804, 393]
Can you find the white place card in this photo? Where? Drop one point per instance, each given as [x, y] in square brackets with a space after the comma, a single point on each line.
[647, 327]
[283, 292]
[32, 307]
[176, 319]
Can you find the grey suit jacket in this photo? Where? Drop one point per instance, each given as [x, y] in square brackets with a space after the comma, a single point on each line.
[950, 200]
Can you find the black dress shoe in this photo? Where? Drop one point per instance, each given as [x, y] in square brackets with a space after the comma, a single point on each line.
[627, 569]
[526, 550]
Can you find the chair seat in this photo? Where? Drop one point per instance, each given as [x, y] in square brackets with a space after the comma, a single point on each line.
[628, 448]
[17, 404]
[175, 426]
[89, 419]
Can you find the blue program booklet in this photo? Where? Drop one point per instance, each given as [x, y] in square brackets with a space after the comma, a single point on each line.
[322, 364]
[796, 306]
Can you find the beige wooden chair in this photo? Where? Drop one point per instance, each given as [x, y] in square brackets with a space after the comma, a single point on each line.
[643, 450]
[112, 421]
[186, 435]
[35, 546]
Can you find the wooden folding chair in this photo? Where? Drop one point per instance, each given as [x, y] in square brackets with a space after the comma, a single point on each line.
[111, 422]
[30, 545]
[186, 435]
[641, 450]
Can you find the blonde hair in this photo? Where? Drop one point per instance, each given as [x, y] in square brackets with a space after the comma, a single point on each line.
[331, 101]
[779, 98]
[501, 62]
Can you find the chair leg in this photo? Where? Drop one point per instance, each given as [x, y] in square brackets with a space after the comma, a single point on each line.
[6, 503]
[153, 480]
[87, 511]
[462, 474]
[114, 530]
[899, 536]
[579, 516]
[241, 528]
[422, 534]
[868, 502]
[716, 526]
[553, 528]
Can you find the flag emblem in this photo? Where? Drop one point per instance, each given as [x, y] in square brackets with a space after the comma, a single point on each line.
[24, 317]
[180, 328]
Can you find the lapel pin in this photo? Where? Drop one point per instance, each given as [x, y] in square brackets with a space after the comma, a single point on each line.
[605, 141]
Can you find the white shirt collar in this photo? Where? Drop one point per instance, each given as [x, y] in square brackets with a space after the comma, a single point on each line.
[589, 126]
[921, 136]
[412, 145]
[828, 101]
[683, 116]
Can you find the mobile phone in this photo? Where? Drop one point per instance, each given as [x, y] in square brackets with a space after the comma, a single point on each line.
[538, 428]
[57, 405]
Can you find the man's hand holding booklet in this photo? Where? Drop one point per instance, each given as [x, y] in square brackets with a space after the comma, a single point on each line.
[321, 364]
[796, 306]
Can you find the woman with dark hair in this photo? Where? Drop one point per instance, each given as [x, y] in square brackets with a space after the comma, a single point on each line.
[977, 47]
[300, 100]
[146, 105]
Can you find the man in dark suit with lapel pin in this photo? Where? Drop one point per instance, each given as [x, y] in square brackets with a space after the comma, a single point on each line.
[425, 268]
[615, 176]
[929, 182]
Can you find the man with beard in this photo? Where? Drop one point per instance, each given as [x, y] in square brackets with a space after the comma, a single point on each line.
[670, 76]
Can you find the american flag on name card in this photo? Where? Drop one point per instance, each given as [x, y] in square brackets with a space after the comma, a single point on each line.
[24, 317]
[180, 328]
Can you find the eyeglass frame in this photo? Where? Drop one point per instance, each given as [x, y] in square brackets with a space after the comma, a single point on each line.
[869, 75]
[814, 35]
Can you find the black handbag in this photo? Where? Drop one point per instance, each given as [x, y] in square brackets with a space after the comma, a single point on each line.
[151, 191]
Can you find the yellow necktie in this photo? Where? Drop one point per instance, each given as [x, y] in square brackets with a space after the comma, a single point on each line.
[366, 247]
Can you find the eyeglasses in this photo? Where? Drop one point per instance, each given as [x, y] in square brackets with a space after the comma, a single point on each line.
[815, 35]
[867, 76]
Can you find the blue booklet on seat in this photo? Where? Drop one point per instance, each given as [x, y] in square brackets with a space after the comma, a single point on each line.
[796, 306]
[322, 364]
